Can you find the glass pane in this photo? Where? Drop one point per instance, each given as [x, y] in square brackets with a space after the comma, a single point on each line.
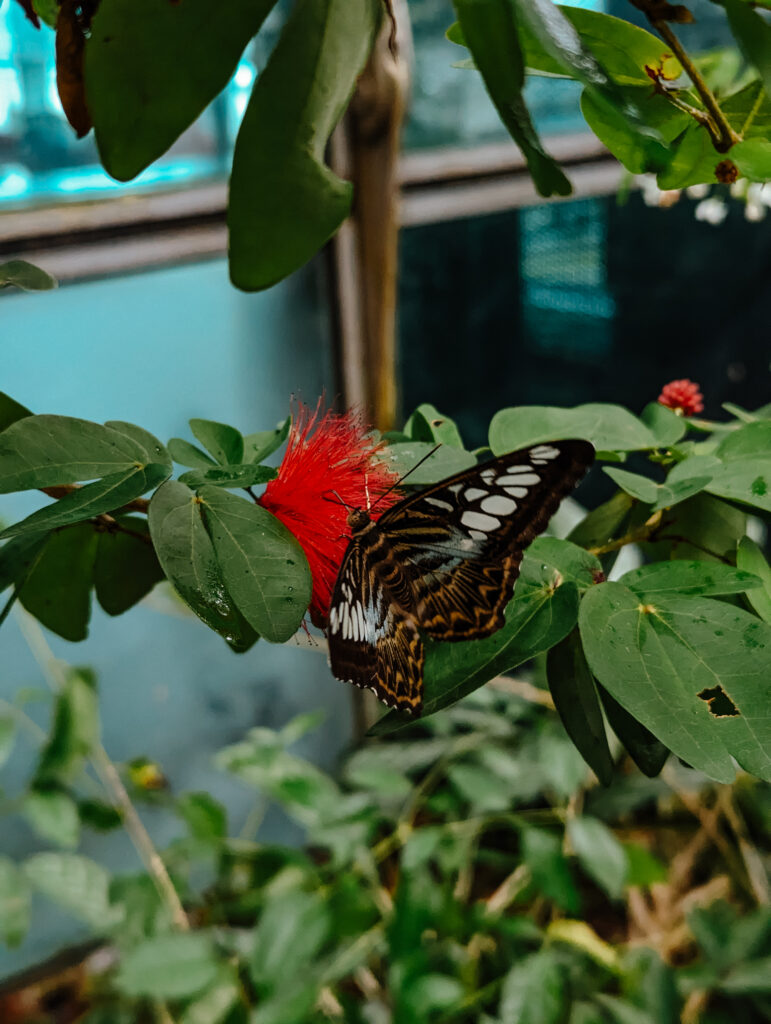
[589, 300]
[155, 349]
[40, 157]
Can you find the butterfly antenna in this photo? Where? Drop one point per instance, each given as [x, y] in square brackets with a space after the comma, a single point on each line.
[402, 478]
[340, 500]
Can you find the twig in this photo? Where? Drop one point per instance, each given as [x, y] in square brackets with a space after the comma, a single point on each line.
[722, 134]
[112, 782]
[643, 533]
[521, 688]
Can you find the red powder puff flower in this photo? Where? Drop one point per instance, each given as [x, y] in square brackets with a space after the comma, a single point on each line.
[330, 459]
[683, 396]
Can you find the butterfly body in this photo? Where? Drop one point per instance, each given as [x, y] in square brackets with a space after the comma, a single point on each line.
[442, 563]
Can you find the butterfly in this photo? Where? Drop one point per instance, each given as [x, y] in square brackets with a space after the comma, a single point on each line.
[441, 563]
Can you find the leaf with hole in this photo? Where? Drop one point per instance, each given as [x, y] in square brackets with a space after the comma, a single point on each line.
[696, 672]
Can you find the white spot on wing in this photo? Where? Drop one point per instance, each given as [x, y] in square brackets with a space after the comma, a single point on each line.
[519, 479]
[455, 488]
[544, 451]
[516, 492]
[497, 505]
[479, 521]
[474, 493]
[518, 469]
[439, 503]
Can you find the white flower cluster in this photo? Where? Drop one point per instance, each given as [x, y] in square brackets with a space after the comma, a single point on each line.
[711, 209]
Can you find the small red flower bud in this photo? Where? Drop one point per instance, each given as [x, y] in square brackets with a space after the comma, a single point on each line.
[683, 396]
[330, 459]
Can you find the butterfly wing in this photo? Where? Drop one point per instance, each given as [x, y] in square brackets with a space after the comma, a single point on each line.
[373, 642]
[463, 538]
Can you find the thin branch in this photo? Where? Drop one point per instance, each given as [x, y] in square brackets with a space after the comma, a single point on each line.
[643, 533]
[722, 134]
[112, 782]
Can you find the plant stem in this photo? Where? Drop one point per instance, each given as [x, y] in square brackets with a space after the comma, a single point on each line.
[645, 532]
[723, 135]
[112, 782]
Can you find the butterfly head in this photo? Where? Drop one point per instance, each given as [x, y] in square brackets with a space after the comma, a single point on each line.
[358, 521]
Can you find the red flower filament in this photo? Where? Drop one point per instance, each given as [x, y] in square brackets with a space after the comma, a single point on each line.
[329, 459]
[683, 396]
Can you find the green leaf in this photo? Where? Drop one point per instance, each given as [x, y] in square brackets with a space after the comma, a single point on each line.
[535, 991]
[205, 816]
[600, 854]
[428, 424]
[151, 69]
[26, 276]
[168, 967]
[648, 753]
[245, 475]
[542, 853]
[285, 203]
[154, 451]
[106, 495]
[753, 158]
[703, 528]
[43, 451]
[559, 37]
[216, 1002]
[259, 446]
[622, 49]
[608, 427]
[53, 815]
[11, 411]
[7, 738]
[74, 731]
[575, 698]
[695, 672]
[745, 473]
[643, 868]
[665, 425]
[98, 815]
[15, 903]
[445, 461]
[262, 563]
[550, 561]
[292, 930]
[602, 525]
[48, 10]
[707, 579]
[750, 558]
[490, 32]
[224, 443]
[187, 454]
[186, 555]
[753, 34]
[639, 487]
[126, 567]
[671, 494]
[614, 130]
[57, 589]
[748, 978]
[692, 162]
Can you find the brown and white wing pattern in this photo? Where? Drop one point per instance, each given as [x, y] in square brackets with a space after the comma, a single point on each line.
[463, 539]
[373, 642]
[442, 562]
